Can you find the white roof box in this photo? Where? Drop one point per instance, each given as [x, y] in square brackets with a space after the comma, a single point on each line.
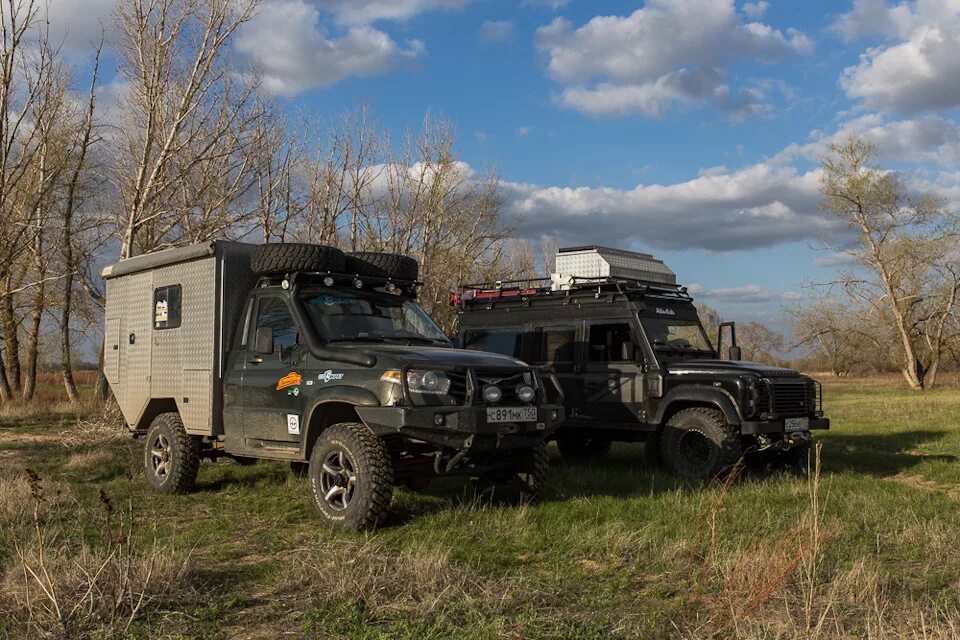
[604, 262]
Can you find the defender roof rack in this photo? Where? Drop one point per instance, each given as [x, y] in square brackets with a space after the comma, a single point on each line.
[546, 287]
[408, 288]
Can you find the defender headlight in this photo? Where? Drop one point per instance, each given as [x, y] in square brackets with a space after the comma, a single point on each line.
[525, 393]
[423, 382]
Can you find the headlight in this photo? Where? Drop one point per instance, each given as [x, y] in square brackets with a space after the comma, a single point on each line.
[432, 382]
[492, 393]
[525, 393]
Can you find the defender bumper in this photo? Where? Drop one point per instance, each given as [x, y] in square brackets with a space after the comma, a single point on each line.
[461, 427]
[748, 427]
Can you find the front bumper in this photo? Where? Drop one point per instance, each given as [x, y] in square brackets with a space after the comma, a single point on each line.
[748, 427]
[464, 428]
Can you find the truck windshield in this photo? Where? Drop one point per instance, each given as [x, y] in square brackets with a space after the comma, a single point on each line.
[677, 337]
[366, 316]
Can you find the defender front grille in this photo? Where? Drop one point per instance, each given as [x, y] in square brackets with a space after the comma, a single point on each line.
[792, 398]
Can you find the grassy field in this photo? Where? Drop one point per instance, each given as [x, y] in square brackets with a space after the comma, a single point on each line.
[870, 549]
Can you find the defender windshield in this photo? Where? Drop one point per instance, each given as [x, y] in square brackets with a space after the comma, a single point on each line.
[671, 337]
[361, 316]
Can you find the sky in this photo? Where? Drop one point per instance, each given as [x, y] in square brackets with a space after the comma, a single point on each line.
[690, 129]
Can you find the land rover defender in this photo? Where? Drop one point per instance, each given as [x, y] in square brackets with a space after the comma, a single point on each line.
[635, 364]
[300, 353]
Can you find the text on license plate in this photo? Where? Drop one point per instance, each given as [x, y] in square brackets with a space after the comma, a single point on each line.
[796, 424]
[511, 414]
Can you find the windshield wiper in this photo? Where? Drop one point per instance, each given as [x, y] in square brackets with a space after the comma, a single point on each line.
[416, 338]
[358, 339]
[661, 343]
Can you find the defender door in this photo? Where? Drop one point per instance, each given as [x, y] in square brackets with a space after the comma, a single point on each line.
[271, 404]
[555, 345]
[612, 373]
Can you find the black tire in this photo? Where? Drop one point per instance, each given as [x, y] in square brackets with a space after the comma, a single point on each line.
[578, 448]
[697, 444]
[286, 257]
[382, 265]
[351, 479]
[521, 484]
[171, 458]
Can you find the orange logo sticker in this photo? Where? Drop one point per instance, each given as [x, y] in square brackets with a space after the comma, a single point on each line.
[292, 379]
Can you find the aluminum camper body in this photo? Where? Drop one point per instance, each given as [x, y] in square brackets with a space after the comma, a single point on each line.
[170, 317]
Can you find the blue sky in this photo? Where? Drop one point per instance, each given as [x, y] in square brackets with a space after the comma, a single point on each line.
[688, 128]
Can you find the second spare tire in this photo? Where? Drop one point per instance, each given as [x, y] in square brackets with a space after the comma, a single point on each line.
[382, 265]
[285, 257]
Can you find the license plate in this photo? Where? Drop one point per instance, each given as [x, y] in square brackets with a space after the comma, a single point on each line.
[796, 424]
[512, 414]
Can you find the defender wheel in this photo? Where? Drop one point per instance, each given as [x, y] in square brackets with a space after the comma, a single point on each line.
[521, 484]
[284, 257]
[171, 457]
[581, 449]
[697, 444]
[382, 265]
[351, 479]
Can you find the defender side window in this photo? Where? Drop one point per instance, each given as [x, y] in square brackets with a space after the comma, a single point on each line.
[503, 341]
[555, 344]
[611, 343]
[274, 313]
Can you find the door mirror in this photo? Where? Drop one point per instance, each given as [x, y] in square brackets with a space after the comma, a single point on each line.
[263, 341]
[735, 353]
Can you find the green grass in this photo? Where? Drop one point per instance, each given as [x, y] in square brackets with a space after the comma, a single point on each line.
[614, 551]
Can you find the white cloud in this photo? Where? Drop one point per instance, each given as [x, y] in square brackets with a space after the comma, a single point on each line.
[761, 205]
[667, 53]
[496, 30]
[367, 11]
[554, 5]
[745, 293]
[755, 10]
[78, 24]
[295, 54]
[919, 69]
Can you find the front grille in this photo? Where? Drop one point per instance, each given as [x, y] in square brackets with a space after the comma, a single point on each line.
[458, 386]
[792, 398]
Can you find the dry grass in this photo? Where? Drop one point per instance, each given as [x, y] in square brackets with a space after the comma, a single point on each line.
[61, 586]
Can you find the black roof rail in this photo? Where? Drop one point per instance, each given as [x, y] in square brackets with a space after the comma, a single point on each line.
[537, 286]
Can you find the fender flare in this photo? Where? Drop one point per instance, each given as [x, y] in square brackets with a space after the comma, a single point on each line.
[350, 395]
[702, 394]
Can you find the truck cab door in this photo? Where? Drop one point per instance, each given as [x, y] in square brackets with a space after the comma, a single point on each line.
[556, 346]
[273, 371]
[612, 374]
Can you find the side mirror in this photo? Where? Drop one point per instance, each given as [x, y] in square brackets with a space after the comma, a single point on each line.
[735, 353]
[263, 342]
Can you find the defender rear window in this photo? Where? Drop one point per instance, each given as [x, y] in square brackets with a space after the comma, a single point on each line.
[554, 344]
[503, 341]
[166, 307]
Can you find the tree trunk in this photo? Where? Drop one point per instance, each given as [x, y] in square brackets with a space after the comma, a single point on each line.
[66, 358]
[33, 345]
[6, 395]
[11, 341]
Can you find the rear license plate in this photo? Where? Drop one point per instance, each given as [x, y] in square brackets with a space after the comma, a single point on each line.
[512, 414]
[796, 424]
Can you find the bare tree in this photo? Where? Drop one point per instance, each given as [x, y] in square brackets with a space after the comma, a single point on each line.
[181, 154]
[908, 273]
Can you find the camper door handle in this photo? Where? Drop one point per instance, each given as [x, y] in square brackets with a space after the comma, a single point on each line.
[256, 360]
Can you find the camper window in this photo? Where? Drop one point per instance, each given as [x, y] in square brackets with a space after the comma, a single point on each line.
[166, 307]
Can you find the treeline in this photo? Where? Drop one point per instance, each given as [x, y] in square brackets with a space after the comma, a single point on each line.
[195, 149]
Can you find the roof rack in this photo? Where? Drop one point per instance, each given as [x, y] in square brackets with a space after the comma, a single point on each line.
[409, 288]
[543, 286]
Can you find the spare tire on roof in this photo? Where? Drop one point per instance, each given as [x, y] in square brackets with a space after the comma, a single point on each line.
[286, 257]
[382, 265]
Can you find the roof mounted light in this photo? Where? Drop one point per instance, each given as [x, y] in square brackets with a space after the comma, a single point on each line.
[358, 283]
[391, 288]
[328, 281]
[285, 284]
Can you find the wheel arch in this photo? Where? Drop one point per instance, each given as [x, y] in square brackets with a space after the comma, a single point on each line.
[154, 408]
[697, 396]
[333, 407]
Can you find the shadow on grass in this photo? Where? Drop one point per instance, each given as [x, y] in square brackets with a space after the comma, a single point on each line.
[880, 454]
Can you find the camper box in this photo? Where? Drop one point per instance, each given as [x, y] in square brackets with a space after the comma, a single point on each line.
[169, 316]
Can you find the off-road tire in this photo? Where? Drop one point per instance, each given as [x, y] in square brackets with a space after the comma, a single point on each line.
[168, 446]
[521, 484]
[368, 502]
[705, 430]
[382, 265]
[286, 257]
[581, 448]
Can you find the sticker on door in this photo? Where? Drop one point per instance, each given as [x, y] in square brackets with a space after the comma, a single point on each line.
[293, 424]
